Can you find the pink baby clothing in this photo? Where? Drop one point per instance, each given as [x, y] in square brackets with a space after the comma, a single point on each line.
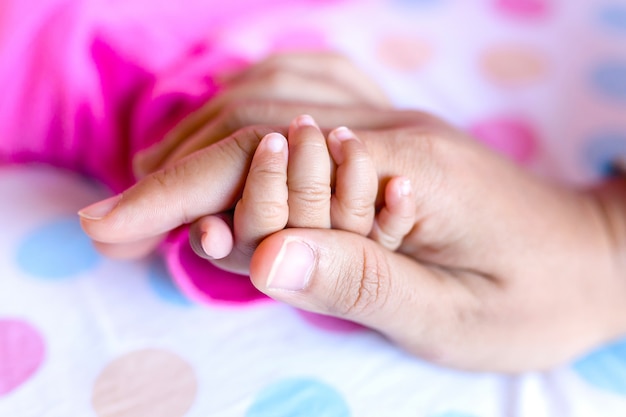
[86, 84]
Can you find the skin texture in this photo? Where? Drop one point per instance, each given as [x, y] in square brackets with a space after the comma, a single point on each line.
[289, 184]
[499, 271]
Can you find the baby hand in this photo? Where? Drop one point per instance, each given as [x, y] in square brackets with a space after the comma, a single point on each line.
[291, 184]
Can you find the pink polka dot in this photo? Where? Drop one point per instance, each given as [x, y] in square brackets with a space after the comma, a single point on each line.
[512, 137]
[523, 8]
[22, 352]
[200, 281]
[330, 324]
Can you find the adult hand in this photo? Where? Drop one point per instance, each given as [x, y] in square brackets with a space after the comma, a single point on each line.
[289, 184]
[229, 160]
[502, 271]
[271, 92]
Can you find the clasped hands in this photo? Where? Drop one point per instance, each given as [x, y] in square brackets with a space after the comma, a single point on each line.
[399, 222]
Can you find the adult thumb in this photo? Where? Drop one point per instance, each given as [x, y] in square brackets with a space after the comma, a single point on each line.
[351, 277]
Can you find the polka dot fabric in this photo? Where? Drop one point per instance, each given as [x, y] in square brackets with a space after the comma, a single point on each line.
[22, 351]
[171, 336]
[299, 397]
[56, 250]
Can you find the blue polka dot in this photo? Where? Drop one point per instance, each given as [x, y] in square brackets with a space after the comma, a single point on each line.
[299, 397]
[162, 284]
[605, 368]
[603, 149]
[609, 79]
[57, 250]
[613, 16]
[453, 414]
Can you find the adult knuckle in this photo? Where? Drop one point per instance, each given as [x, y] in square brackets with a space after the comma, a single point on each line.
[232, 150]
[363, 291]
[160, 178]
[246, 139]
[168, 179]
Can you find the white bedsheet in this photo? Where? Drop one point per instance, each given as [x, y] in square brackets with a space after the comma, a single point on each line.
[542, 81]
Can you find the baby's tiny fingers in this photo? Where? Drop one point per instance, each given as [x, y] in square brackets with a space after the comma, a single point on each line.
[211, 237]
[263, 208]
[356, 184]
[397, 217]
[309, 175]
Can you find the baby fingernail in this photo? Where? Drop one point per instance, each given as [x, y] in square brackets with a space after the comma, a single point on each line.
[211, 249]
[405, 187]
[275, 142]
[292, 267]
[305, 120]
[100, 209]
[342, 133]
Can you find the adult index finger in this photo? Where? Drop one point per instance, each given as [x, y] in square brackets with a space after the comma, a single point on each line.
[207, 182]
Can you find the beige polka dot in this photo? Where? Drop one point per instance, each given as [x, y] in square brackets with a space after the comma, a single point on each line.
[404, 53]
[514, 64]
[149, 382]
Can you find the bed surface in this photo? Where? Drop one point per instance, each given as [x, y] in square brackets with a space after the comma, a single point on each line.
[84, 336]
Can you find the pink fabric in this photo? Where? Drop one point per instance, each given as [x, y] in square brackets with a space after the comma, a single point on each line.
[202, 282]
[85, 84]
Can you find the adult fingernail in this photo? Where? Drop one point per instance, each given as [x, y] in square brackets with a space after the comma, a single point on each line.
[100, 209]
[305, 120]
[292, 267]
